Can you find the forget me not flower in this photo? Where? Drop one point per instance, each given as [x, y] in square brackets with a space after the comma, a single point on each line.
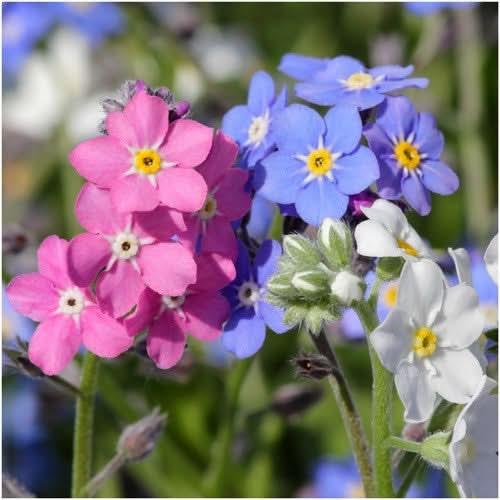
[319, 162]
[408, 146]
[344, 80]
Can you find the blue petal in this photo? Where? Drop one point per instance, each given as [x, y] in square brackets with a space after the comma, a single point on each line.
[236, 123]
[297, 128]
[244, 333]
[320, 93]
[242, 264]
[261, 218]
[343, 125]
[356, 171]
[390, 86]
[257, 153]
[338, 68]
[301, 67]
[280, 102]
[273, 317]
[392, 72]
[439, 178]
[266, 261]
[351, 325]
[416, 195]
[377, 139]
[397, 117]
[282, 178]
[260, 93]
[428, 138]
[320, 199]
[389, 182]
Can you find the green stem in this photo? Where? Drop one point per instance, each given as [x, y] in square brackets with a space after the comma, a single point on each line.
[403, 444]
[84, 422]
[215, 481]
[410, 475]
[381, 408]
[348, 412]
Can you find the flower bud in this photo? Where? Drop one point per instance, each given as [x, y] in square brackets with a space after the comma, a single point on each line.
[434, 449]
[335, 242]
[313, 366]
[347, 288]
[389, 268]
[280, 284]
[301, 250]
[311, 282]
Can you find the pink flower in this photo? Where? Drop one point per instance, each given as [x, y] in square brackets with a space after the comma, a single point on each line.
[226, 200]
[200, 311]
[135, 249]
[67, 313]
[145, 160]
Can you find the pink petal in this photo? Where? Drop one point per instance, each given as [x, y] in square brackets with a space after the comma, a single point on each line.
[187, 144]
[232, 201]
[103, 335]
[219, 237]
[54, 344]
[166, 340]
[119, 126]
[33, 295]
[189, 237]
[167, 268]
[205, 314]
[215, 271]
[149, 117]
[96, 213]
[119, 288]
[222, 155]
[53, 261]
[134, 193]
[162, 223]
[183, 189]
[100, 160]
[148, 307]
[87, 254]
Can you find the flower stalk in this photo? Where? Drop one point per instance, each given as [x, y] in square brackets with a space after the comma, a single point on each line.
[403, 444]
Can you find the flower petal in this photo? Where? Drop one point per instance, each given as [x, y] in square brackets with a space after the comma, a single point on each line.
[356, 171]
[232, 201]
[148, 307]
[266, 261]
[374, 240]
[236, 123]
[134, 193]
[343, 125]
[182, 189]
[205, 313]
[428, 139]
[416, 194]
[273, 317]
[397, 116]
[301, 67]
[389, 215]
[244, 333]
[119, 127]
[439, 178]
[54, 344]
[261, 218]
[52, 261]
[260, 93]
[162, 223]
[219, 237]
[215, 271]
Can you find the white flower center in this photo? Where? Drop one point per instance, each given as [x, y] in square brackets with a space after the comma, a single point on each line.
[209, 208]
[173, 302]
[249, 293]
[125, 245]
[71, 301]
[258, 129]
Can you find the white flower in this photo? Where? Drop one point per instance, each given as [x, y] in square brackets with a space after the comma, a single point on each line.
[425, 340]
[491, 259]
[347, 287]
[473, 448]
[387, 233]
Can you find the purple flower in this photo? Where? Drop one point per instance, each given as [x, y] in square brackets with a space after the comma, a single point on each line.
[319, 162]
[245, 331]
[251, 125]
[344, 80]
[408, 146]
[428, 8]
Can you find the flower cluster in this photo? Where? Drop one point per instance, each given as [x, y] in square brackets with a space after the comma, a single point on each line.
[158, 208]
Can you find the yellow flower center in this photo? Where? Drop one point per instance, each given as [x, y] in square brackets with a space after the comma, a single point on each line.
[391, 295]
[358, 81]
[319, 161]
[407, 248]
[209, 208]
[424, 342]
[147, 161]
[407, 155]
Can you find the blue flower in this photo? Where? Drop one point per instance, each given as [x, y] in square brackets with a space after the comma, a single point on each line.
[428, 8]
[344, 80]
[251, 126]
[408, 146]
[261, 218]
[14, 324]
[245, 331]
[319, 162]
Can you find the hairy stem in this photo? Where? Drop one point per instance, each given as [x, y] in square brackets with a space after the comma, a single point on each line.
[84, 423]
[403, 444]
[381, 408]
[349, 413]
[113, 466]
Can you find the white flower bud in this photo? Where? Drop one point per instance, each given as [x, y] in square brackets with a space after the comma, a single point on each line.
[301, 249]
[311, 282]
[347, 287]
[335, 242]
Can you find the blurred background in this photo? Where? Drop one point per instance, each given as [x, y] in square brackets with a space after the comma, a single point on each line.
[59, 61]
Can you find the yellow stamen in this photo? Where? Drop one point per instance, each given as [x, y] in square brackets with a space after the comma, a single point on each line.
[424, 342]
[407, 155]
[147, 161]
[358, 81]
[319, 162]
[407, 248]
[391, 295]
[209, 208]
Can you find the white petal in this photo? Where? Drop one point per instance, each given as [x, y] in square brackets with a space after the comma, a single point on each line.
[411, 237]
[480, 477]
[415, 391]
[491, 259]
[457, 376]
[421, 291]
[462, 265]
[374, 240]
[460, 322]
[388, 214]
[392, 339]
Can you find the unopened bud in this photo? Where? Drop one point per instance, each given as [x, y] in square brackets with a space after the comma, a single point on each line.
[280, 284]
[301, 250]
[434, 449]
[295, 399]
[138, 440]
[313, 366]
[335, 242]
[389, 268]
[347, 288]
[312, 282]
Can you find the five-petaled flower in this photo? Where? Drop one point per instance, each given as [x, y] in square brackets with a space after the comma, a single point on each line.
[67, 313]
[408, 146]
[344, 80]
[319, 162]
